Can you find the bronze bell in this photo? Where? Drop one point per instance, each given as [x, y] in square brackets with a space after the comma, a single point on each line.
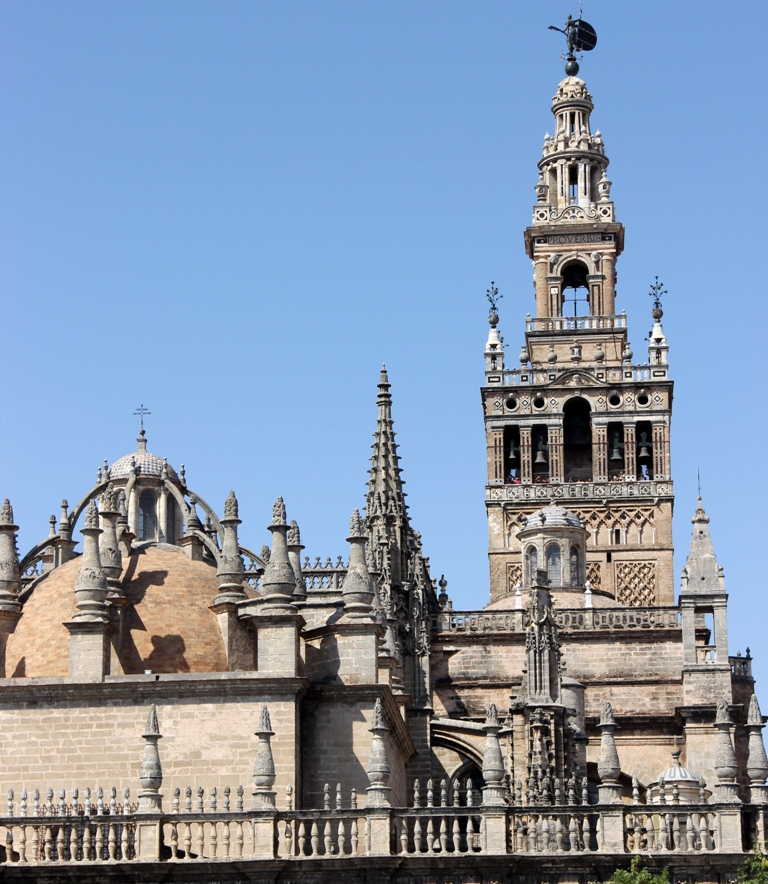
[615, 451]
[513, 453]
[644, 454]
[541, 454]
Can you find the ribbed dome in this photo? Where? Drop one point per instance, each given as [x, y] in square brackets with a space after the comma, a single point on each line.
[168, 624]
[147, 464]
[553, 516]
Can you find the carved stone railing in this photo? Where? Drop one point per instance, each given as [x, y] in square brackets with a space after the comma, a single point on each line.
[706, 654]
[567, 619]
[575, 491]
[202, 831]
[574, 323]
[678, 828]
[328, 576]
[741, 667]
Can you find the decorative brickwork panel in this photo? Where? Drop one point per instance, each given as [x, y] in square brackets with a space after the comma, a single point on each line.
[593, 575]
[514, 576]
[636, 583]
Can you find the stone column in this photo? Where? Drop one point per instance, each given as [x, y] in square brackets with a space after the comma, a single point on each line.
[555, 447]
[757, 762]
[10, 580]
[263, 794]
[526, 465]
[660, 451]
[378, 790]
[294, 557]
[90, 628]
[726, 790]
[630, 452]
[495, 445]
[238, 639]
[278, 622]
[600, 454]
[609, 790]
[148, 824]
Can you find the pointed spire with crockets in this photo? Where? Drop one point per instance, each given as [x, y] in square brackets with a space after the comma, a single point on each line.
[385, 486]
[702, 574]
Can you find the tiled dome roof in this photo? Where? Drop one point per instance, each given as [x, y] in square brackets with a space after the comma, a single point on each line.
[553, 516]
[168, 624]
[147, 464]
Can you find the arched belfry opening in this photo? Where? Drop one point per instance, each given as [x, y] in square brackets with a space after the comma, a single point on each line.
[577, 440]
[575, 289]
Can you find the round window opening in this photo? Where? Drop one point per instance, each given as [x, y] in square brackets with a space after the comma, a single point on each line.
[511, 403]
[614, 399]
[538, 402]
[643, 399]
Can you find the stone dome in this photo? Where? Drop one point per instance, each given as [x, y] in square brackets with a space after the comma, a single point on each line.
[553, 516]
[147, 464]
[168, 626]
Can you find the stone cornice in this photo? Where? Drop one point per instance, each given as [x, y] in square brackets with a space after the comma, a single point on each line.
[148, 688]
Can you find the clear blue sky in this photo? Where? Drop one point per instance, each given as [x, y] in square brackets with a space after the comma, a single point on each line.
[235, 212]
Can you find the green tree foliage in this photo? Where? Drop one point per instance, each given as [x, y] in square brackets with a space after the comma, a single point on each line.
[636, 874]
[755, 869]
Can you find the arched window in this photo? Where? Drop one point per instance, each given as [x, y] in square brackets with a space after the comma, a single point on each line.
[147, 516]
[531, 564]
[575, 567]
[577, 440]
[553, 566]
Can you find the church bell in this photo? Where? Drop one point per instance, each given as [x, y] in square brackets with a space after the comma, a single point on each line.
[513, 453]
[615, 451]
[644, 454]
[541, 454]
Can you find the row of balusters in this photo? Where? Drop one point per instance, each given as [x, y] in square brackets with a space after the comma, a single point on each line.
[78, 805]
[80, 839]
[690, 831]
[534, 792]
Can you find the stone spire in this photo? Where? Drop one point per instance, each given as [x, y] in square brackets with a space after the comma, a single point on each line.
[264, 766]
[9, 562]
[91, 585]
[279, 582]
[295, 547]
[702, 574]
[230, 571]
[493, 763]
[385, 486]
[358, 588]
[726, 767]
[608, 765]
[378, 762]
[757, 762]
[151, 775]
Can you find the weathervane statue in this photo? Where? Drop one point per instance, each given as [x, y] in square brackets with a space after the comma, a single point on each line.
[580, 37]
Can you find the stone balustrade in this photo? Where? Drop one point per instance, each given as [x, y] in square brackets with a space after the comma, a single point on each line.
[567, 619]
[575, 491]
[202, 827]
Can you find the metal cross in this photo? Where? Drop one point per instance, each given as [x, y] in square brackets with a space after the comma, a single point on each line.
[141, 411]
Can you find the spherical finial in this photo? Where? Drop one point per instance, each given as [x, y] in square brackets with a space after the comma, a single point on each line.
[571, 67]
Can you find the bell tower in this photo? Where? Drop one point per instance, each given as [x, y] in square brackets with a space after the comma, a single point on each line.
[580, 421]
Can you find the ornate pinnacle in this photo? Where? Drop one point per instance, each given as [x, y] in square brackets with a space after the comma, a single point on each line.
[278, 512]
[153, 728]
[151, 774]
[230, 506]
[492, 716]
[606, 716]
[108, 500]
[356, 527]
[265, 725]
[294, 535]
[6, 513]
[493, 763]
[378, 763]
[723, 715]
[92, 517]
[264, 766]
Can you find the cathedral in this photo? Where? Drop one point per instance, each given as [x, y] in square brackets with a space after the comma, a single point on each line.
[177, 707]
